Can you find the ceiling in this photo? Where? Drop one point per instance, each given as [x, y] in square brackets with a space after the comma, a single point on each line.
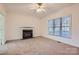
[25, 8]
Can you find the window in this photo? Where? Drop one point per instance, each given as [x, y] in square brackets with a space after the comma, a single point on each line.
[59, 26]
[66, 26]
[2, 29]
[50, 27]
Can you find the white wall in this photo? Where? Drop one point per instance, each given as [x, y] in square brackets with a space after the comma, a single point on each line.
[74, 12]
[14, 21]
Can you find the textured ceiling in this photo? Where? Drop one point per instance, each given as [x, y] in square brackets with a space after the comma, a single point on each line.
[25, 8]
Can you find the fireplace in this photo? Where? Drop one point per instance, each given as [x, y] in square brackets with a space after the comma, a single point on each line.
[27, 33]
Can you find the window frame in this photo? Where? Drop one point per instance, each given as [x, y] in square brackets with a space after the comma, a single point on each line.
[60, 26]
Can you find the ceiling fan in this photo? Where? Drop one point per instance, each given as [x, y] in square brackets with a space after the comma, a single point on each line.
[39, 7]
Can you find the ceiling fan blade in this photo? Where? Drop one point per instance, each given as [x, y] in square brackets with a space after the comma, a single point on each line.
[34, 6]
[38, 7]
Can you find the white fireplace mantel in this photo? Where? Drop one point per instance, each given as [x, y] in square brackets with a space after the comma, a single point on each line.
[25, 28]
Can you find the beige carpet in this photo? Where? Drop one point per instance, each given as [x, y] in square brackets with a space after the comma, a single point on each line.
[39, 46]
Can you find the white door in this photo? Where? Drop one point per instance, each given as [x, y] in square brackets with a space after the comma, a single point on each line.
[2, 36]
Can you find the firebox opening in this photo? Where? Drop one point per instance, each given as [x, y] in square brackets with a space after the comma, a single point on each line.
[27, 34]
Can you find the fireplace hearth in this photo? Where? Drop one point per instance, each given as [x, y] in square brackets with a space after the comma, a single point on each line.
[27, 34]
